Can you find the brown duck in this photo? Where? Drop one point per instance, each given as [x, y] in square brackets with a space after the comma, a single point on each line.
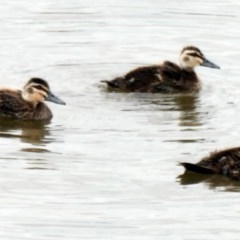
[167, 77]
[225, 162]
[27, 104]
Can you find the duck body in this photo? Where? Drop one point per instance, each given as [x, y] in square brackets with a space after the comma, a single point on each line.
[225, 162]
[27, 104]
[12, 105]
[167, 77]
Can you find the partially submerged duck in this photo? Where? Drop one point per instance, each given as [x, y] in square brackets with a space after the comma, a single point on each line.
[27, 104]
[167, 77]
[225, 162]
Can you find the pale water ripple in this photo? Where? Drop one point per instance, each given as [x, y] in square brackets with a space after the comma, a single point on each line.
[106, 167]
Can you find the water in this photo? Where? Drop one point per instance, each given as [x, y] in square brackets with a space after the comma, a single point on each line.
[106, 167]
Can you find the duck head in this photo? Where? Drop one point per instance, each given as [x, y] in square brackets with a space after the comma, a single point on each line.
[37, 90]
[191, 57]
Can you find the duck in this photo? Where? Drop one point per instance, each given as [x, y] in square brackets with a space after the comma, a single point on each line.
[28, 103]
[224, 162]
[167, 77]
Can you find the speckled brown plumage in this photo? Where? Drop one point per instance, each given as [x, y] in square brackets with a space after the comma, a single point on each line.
[226, 162]
[27, 104]
[167, 77]
[12, 105]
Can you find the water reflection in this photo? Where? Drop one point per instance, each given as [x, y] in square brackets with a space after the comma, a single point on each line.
[189, 114]
[34, 132]
[185, 105]
[215, 182]
[35, 150]
[36, 161]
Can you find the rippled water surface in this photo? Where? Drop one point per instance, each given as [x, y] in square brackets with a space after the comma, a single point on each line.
[106, 167]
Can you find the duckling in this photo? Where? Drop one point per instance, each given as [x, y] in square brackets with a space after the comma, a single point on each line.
[225, 162]
[27, 104]
[167, 77]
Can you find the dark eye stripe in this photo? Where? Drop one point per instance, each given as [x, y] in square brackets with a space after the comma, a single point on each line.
[195, 55]
[39, 87]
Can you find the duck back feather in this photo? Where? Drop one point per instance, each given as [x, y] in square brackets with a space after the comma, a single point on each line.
[225, 162]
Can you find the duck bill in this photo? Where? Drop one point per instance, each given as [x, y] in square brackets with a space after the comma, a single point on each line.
[52, 98]
[207, 63]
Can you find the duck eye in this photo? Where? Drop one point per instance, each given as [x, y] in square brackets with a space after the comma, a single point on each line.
[186, 59]
[30, 90]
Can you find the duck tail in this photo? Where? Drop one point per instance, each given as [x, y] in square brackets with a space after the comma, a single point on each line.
[110, 83]
[105, 81]
[115, 83]
[196, 168]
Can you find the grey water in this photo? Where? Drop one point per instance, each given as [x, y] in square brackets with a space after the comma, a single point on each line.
[106, 167]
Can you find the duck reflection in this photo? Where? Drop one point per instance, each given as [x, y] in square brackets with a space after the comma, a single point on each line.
[184, 104]
[187, 105]
[37, 158]
[215, 182]
[33, 132]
